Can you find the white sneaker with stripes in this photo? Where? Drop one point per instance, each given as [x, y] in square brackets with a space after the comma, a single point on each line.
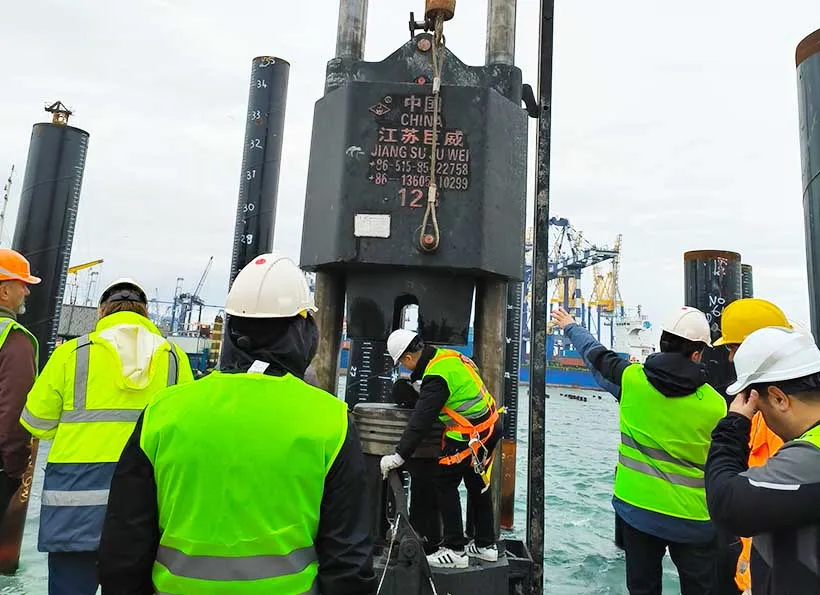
[488, 554]
[447, 558]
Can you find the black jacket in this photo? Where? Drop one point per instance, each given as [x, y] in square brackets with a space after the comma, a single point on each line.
[672, 374]
[778, 505]
[432, 397]
[343, 542]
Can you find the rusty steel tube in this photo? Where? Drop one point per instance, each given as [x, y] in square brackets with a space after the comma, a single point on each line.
[807, 59]
[488, 350]
[500, 49]
[712, 281]
[432, 8]
[352, 28]
[540, 272]
[330, 300]
[501, 32]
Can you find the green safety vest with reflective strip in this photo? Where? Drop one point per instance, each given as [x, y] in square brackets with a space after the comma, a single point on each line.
[240, 462]
[465, 393]
[9, 324]
[664, 443]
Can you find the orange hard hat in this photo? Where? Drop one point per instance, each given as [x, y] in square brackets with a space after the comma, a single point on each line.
[15, 267]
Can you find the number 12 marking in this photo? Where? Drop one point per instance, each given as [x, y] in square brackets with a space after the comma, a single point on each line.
[416, 198]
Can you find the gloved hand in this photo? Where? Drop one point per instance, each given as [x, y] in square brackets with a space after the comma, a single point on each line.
[405, 394]
[390, 462]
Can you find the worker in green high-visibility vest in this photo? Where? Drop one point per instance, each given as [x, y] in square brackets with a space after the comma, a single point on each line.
[249, 480]
[667, 412]
[18, 369]
[453, 392]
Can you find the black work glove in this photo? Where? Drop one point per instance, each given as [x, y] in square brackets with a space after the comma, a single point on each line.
[404, 394]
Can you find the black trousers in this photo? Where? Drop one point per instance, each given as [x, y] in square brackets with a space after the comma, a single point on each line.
[644, 557]
[72, 573]
[729, 548]
[424, 513]
[448, 478]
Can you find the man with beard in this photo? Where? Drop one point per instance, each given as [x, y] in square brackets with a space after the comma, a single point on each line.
[18, 369]
[778, 374]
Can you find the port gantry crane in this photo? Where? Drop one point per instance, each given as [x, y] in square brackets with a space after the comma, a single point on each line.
[570, 254]
[177, 316]
[184, 303]
[73, 284]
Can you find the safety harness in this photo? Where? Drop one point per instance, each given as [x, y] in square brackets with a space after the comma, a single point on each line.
[476, 446]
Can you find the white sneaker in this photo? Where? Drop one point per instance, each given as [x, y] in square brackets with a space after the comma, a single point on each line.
[447, 558]
[488, 554]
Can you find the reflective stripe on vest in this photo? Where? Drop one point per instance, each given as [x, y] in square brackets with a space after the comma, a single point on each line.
[658, 454]
[250, 550]
[74, 500]
[80, 414]
[674, 478]
[79, 498]
[664, 443]
[480, 402]
[241, 568]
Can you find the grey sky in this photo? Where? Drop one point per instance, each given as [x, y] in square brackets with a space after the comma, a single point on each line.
[674, 124]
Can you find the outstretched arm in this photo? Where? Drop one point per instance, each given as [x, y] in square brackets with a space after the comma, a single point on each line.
[607, 366]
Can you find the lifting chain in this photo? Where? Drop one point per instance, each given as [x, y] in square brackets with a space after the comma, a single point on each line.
[430, 242]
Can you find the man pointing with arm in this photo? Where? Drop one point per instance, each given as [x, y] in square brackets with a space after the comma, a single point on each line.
[667, 411]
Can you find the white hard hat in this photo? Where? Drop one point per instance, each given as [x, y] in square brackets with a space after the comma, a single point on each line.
[270, 286]
[124, 283]
[774, 353]
[398, 342]
[689, 323]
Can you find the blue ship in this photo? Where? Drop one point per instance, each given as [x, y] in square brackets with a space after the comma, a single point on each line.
[565, 366]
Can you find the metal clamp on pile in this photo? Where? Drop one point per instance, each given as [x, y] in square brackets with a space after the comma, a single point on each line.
[400, 556]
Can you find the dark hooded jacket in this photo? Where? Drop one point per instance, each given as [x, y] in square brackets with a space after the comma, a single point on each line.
[674, 376]
[343, 542]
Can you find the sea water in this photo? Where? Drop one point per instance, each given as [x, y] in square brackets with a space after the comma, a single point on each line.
[581, 451]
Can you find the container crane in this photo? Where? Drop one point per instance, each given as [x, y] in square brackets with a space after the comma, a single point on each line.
[610, 302]
[569, 255]
[184, 302]
[74, 285]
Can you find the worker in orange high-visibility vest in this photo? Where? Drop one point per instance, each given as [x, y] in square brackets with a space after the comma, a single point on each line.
[740, 319]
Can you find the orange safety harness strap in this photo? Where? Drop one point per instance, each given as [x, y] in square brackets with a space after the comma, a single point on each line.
[465, 426]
